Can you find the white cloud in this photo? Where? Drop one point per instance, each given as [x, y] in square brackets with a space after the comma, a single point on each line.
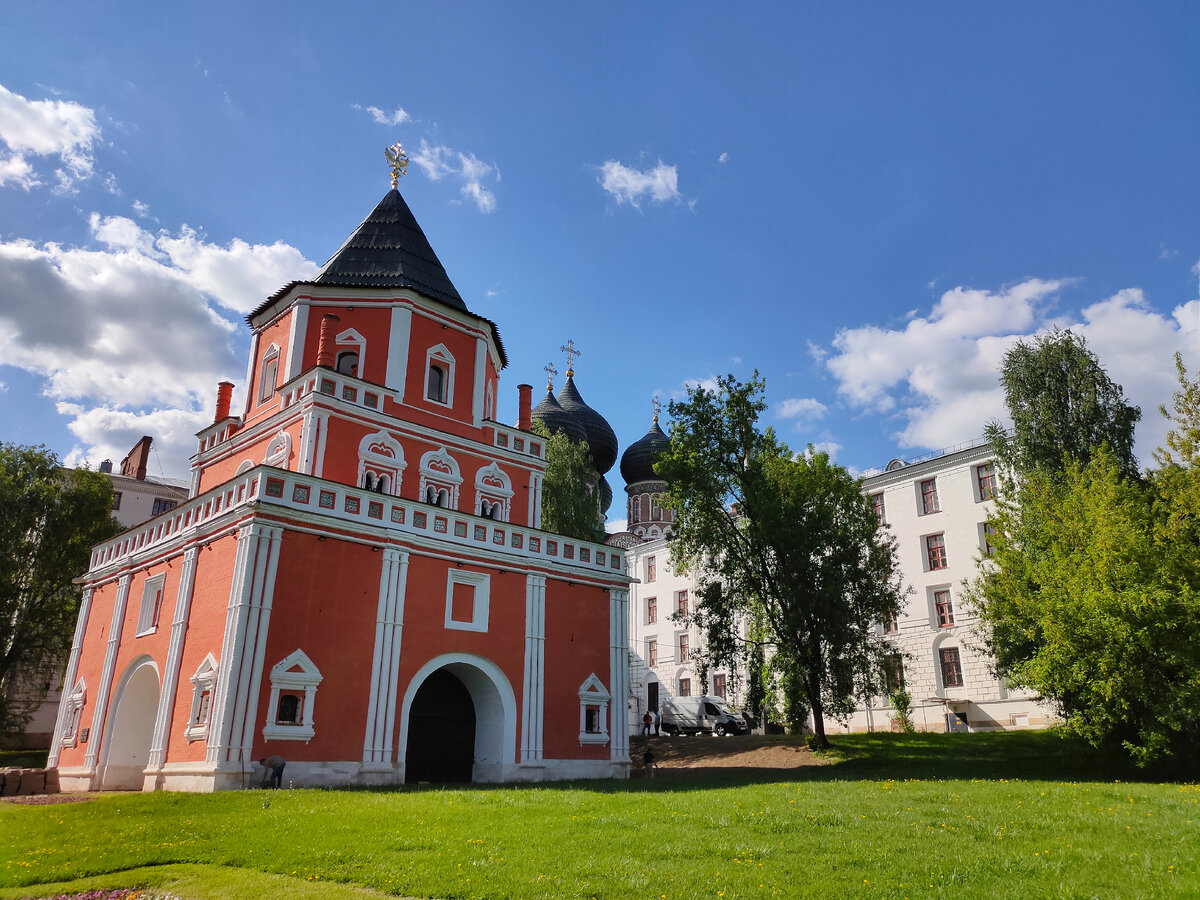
[616, 526]
[443, 162]
[723, 158]
[633, 186]
[709, 384]
[131, 337]
[938, 374]
[44, 128]
[142, 209]
[396, 117]
[806, 408]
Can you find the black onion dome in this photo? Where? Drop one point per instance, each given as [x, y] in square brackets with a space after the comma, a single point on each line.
[606, 495]
[555, 418]
[637, 463]
[602, 440]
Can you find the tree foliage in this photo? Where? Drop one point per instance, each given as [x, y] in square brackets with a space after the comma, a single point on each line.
[1063, 406]
[49, 520]
[791, 540]
[570, 497]
[1093, 595]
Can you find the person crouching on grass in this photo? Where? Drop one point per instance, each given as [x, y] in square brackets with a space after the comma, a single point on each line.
[272, 771]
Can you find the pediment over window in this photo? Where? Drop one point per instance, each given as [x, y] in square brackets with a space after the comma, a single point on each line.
[296, 668]
[593, 689]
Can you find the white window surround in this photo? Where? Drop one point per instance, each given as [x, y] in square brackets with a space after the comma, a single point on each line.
[204, 681]
[352, 340]
[244, 466]
[481, 601]
[440, 471]
[268, 373]
[489, 402]
[493, 485]
[380, 455]
[296, 674]
[152, 594]
[593, 693]
[74, 702]
[278, 450]
[442, 357]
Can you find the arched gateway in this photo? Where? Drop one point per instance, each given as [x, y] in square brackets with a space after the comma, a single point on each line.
[130, 728]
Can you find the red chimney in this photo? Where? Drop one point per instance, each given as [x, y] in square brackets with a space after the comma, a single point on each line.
[134, 464]
[224, 394]
[524, 403]
[326, 351]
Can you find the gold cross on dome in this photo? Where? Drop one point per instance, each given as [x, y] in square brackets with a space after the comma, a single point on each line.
[550, 373]
[397, 161]
[569, 349]
[657, 407]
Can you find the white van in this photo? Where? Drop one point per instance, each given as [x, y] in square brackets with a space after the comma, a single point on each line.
[693, 715]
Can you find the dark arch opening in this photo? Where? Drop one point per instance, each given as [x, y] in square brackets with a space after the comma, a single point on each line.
[441, 732]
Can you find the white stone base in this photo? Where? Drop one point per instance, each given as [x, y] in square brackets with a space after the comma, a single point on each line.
[1009, 714]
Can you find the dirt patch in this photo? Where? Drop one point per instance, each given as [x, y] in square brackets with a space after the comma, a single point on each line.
[46, 799]
[747, 753]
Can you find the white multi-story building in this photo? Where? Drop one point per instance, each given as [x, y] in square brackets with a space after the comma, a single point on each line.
[937, 509]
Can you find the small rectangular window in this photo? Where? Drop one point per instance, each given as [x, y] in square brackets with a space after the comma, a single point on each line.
[951, 667]
[116, 499]
[719, 686]
[685, 687]
[681, 602]
[893, 673]
[989, 534]
[270, 372]
[944, 608]
[880, 511]
[651, 569]
[985, 477]
[891, 625]
[652, 653]
[651, 610]
[152, 593]
[935, 549]
[161, 505]
[683, 648]
[929, 497]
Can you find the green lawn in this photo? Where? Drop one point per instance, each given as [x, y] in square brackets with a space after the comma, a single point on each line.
[1009, 815]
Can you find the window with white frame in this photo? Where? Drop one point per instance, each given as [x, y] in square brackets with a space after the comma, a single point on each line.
[880, 510]
[651, 569]
[493, 493]
[351, 353]
[279, 450]
[681, 602]
[439, 375]
[440, 479]
[152, 594]
[719, 686]
[203, 684]
[468, 600]
[593, 711]
[74, 704]
[161, 505]
[652, 653]
[685, 687]
[651, 610]
[683, 648]
[294, 681]
[381, 463]
[268, 373]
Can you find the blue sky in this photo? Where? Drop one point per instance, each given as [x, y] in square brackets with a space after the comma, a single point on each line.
[868, 203]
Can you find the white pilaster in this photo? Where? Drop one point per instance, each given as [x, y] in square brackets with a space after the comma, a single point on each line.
[308, 443]
[534, 689]
[296, 335]
[397, 360]
[481, 353]
[385, 663]
[95, 736]
[85, 610]
[322, 429]
[166, 699]
[618, 729]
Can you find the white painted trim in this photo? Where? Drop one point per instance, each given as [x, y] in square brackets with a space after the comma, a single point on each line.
[140, 662]
[297, 332]
[305, 680]
[351, 338]
[166, 700]
[106, 674]
[85, 609]
[153, 594]
[593, 693]
[393, 465]
[204, 679]
[250, 374]
[441, 354]
[385, 662]
[618, 629]
[477, 388]
[398, 341]
[481, 605]
[533, 692]
[279, 450]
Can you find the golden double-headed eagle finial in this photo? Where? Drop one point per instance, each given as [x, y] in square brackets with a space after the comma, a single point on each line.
[397, 161]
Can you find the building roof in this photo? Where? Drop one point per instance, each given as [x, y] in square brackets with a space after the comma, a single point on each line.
[555, 418]
[602, 440]
[389, 250]
[637, 463]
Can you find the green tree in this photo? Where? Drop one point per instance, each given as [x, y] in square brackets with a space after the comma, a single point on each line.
[49, 520]
[570, 498]
[1091, 596]
[1063, 406]
[792, 540]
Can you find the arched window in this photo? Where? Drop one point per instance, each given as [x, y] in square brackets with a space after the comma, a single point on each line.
[440, 479]
[439, 375]
[351, 353]
[347, 362]
[493, 493]
[268, 374]
[380, 463]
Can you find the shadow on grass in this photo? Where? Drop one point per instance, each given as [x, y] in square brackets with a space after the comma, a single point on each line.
[1027, 756]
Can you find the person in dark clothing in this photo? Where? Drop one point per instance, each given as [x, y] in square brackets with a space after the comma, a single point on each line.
[272, 771]
[648, 762]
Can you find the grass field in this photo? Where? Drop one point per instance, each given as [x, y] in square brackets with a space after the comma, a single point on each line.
[1010, 815]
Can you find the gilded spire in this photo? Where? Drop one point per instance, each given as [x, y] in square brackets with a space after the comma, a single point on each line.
[550, 373]
[397, 162]
[569, 349]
